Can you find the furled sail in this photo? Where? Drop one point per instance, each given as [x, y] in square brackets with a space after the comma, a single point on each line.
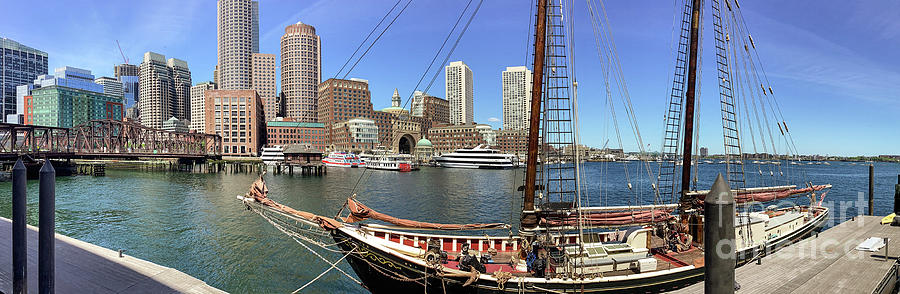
[259, 192]
[360, 212]
[611, 218]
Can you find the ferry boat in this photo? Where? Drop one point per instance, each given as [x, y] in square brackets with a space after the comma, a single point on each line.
[481, 156]
[343, 159]
[387, 161]
[271, 155]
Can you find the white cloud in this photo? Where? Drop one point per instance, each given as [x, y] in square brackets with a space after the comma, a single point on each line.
[493, 119]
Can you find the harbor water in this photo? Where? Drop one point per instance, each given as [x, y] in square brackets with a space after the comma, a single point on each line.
[193, 223]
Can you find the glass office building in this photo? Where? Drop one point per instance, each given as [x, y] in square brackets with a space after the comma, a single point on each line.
[19, 65]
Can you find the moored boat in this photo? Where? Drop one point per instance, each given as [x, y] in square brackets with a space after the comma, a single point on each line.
[343, 159]
[482, 156]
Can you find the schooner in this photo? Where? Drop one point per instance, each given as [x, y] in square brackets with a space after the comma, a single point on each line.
[563, 244]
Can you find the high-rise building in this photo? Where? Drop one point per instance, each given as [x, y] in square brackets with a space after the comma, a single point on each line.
[19, 65]
[301, 71]
[165, 88]
[460, 92]
[433, 109]
[181, 88]
[71, 77]
[126, 69]
[263, 81]
[129, 75]
[66, 107]
[516, 98]
[198, 104]
[237, 116]
[238, 38]
[111, 86]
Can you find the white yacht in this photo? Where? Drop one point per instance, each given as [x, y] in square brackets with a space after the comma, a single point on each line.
[343, 159]
[479, 157]
[271, 155]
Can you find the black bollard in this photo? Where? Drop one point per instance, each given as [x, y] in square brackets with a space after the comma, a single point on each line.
[46, 231]
[718, 236]
[896, 221]
[19, 237]
[871, 189]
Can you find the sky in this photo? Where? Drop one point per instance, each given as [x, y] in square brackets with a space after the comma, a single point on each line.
[834, 65]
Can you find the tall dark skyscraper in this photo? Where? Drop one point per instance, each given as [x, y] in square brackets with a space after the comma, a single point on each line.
[19, 65]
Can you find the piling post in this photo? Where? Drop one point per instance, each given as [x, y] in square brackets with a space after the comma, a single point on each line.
[719, 252]
[47, 228]
[896, 221]
[871, 189]
[19, 239]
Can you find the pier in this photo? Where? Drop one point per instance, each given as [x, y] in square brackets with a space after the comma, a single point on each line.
[827, 262]
[82, 267]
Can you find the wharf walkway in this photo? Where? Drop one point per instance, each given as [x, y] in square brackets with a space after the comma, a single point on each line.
[827, 263]
[82, 267]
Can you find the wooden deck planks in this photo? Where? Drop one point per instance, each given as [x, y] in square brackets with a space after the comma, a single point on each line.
[82, 267]
[828, 263]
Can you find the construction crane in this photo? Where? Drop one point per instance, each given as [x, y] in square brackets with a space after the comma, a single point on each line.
[122, 52]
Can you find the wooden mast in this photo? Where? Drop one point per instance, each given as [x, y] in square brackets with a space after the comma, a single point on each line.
[689, 104]
[529, 219]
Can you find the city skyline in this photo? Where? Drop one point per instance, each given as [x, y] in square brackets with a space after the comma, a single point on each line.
[840, 89]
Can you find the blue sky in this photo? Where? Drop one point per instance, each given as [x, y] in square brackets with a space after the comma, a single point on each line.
[833, 64]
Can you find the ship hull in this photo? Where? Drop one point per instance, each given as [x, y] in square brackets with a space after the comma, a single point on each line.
[384, 271]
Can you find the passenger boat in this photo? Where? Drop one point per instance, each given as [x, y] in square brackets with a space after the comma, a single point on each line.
[271, 155]
[384, 160]
[562, 245]
[343, 159]
[481, 156]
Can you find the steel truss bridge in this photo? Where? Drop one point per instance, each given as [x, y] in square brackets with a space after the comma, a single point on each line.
[105, 139]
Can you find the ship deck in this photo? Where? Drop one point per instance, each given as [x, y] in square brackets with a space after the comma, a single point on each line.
[828, 263]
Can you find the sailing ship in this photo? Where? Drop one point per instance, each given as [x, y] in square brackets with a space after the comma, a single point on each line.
[561, 244]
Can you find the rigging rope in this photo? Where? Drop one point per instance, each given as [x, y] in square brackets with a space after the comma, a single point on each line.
[376, 39]
[367, 38]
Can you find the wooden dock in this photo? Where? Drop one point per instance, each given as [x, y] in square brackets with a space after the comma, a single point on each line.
[82, 267]
[827, 263]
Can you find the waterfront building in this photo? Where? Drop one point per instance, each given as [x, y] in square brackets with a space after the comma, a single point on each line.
[111, 86]
[460, 92]
[424, 150]
[704, 152]
[513, 142]
[341, 100]
[175, 125]
[282, 133]
[516, 98]
[355, 135]
[66, 107]
[181, 88]
[447, 139]
[490, 137]
[164, 87]
[263, 81]
[433, 109]
[198, 104]
[19, 65]
[238, 39]
[71, 77]
[301, 71]
[237, 116]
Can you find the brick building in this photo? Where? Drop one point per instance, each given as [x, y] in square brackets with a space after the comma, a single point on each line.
[299, 133]
[449, 138]
[237, 116]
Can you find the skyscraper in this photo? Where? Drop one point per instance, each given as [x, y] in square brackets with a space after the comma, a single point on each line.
[238, 38]
[129, 75]
[111, 86]
[263, 81]
[516, 97]
[181, 88]
[165, 90]
[198, 110]
[301, 71]
[19, 65]
[460, 92]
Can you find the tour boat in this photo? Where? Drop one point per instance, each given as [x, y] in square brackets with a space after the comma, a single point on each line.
[343, 159]
[562, 245]
[481, 156]
[384, 160]
[271, 155]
